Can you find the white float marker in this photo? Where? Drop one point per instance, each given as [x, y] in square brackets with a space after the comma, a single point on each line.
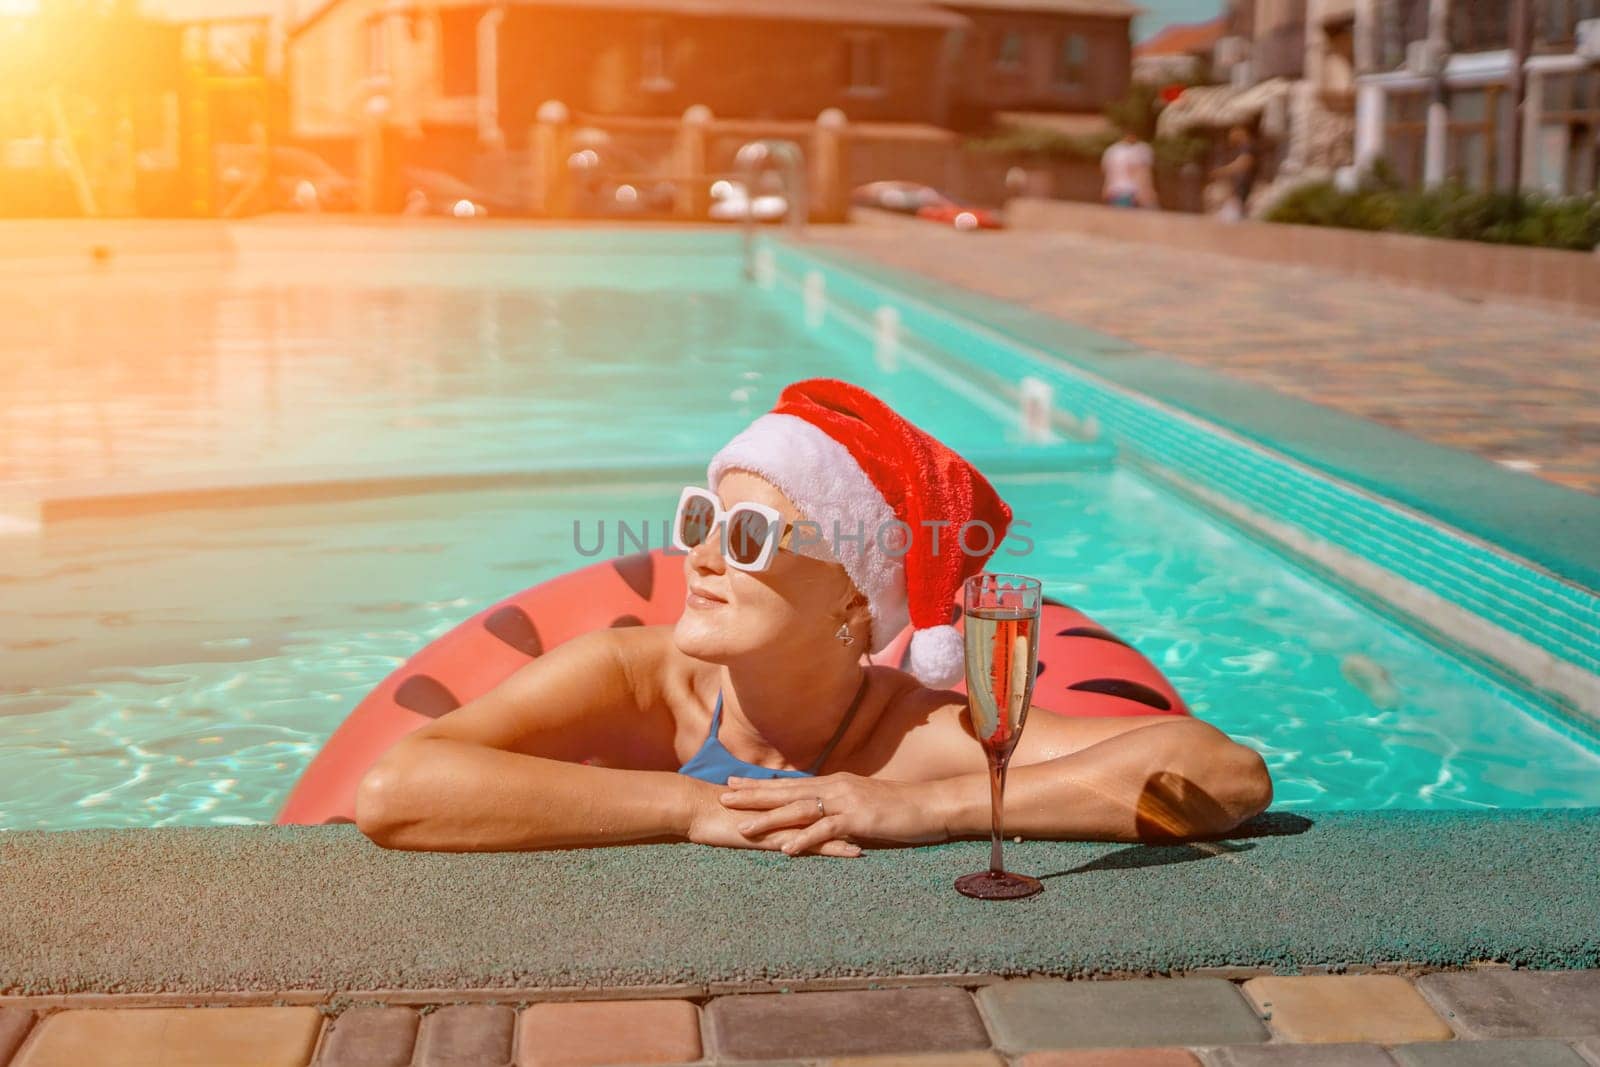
[766, 265]
[886, 338]
[1038, 405]
[816, 298]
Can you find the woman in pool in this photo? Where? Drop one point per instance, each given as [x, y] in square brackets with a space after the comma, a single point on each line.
[829, 524]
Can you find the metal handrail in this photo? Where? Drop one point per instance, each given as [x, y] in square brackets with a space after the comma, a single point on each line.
[787, 159]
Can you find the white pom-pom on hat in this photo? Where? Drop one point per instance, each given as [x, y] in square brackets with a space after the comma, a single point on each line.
[938, 656]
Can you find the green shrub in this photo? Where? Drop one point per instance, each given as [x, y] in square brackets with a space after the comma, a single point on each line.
[1450, 211]
[1179, 150]
[1324, 204]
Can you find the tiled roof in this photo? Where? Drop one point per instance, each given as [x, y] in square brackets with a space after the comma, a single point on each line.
[856, 12]
[1186, 39]
[1107, 8]
[915, 12]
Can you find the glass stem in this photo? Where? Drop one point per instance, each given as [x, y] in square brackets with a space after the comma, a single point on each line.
[997, 789]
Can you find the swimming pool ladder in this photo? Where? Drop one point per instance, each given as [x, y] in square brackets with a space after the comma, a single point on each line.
[788, 161]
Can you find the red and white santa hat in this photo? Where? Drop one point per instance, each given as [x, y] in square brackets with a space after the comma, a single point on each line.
[928, 519]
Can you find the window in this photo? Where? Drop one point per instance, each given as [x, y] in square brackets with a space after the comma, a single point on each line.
[1405, 132]
[863, 64]
[1008, 51]
[1072, 61]
[1570, 132]
[1470, 153]
[655, 73]
[1480, 25]
[1556, 21]
[1401, 22]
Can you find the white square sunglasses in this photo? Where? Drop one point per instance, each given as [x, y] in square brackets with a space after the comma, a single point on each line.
[751, 533]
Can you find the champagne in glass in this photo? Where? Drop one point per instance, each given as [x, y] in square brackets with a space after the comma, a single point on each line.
[1002, 643]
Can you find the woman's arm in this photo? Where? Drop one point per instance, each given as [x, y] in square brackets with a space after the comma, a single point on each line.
[444, 795]
[503, 771]
[1141, 778]
[1162, 782]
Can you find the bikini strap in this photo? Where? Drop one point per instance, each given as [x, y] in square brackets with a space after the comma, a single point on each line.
[844, 724]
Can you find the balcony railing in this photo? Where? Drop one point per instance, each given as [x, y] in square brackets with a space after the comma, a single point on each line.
[1485, 25]
[1401, 22]
[1479, 25]
[1556, 21]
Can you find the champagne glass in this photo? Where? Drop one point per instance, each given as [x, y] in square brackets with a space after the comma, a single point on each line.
[1002, 642]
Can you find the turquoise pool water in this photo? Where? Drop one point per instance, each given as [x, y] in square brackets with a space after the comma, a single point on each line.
[183, 668]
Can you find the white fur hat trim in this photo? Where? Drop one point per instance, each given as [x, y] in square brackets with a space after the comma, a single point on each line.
[823, 480]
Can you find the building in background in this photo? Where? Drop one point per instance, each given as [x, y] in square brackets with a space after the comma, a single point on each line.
[1435, 92]
[465, 80]
[1049, 57]
[1286, 72]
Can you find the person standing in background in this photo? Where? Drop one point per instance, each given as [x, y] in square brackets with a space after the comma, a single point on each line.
[1129, 168]
[1244, 163]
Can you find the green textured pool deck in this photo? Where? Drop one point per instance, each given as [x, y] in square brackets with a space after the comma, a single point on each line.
[283, 908]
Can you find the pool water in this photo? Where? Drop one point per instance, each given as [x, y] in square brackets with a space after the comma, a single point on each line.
[537, 363]
[182, 669]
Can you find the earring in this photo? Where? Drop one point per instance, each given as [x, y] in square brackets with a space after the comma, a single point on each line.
[844, 635]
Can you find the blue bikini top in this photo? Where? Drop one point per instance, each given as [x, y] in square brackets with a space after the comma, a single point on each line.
[716, 765]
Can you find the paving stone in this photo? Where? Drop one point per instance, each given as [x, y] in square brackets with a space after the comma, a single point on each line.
[857, 1023]
[1546, 1052]
[925, 1059]
[174, 1037]
[1047, 1013]
[370, 1037]
[1383, 1009]
[466, 1035]
[600, 1032]
[1111, 1057]
[1507, 1003]
[14, 1026]
[1330, 1055]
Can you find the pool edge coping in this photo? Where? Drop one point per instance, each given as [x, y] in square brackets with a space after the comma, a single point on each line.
[1081, 347]
[309, 996]
[28, 507]
[1575, 692]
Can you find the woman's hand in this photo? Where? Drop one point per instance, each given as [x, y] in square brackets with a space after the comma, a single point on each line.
[711, 823]
[853, 808]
